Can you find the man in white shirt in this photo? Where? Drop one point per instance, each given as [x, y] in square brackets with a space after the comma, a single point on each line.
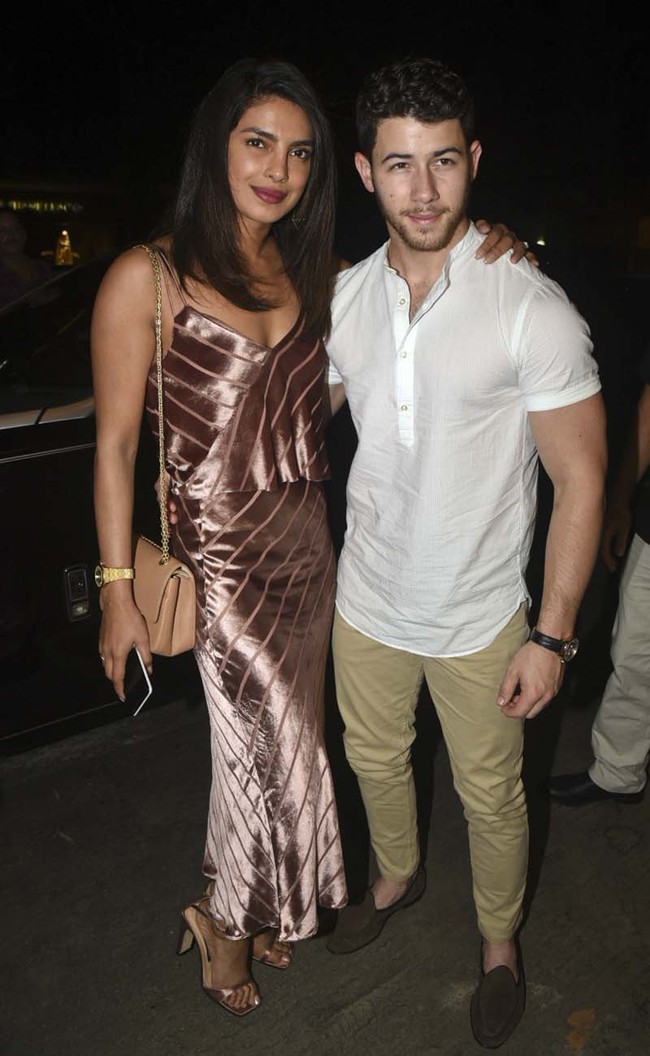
[458, 376]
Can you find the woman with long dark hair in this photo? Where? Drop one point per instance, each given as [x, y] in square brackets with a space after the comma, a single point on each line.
[248, 268]
[248, 273]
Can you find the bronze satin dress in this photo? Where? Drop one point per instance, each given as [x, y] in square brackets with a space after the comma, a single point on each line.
[246, 454]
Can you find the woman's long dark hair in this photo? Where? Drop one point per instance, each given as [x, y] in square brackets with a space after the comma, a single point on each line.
[205, 232]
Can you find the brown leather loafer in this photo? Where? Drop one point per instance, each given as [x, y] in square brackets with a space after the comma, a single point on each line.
[357, 926]
[497, 1005]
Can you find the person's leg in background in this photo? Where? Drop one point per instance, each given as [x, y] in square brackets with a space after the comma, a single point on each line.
[620, 733]
[621, 730]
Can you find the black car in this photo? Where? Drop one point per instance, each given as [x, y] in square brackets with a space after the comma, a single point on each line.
[51, 680]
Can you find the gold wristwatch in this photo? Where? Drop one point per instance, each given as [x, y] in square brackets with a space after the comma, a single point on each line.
[105, 574]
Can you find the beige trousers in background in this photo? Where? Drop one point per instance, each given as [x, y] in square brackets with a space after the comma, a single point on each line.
[377, 689]
[620, 735]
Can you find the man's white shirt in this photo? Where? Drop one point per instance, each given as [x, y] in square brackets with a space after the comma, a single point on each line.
[442, 490]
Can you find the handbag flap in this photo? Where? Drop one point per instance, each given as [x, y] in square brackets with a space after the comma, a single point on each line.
[152, 578]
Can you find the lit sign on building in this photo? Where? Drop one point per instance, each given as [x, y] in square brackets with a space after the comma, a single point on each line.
[37, 205]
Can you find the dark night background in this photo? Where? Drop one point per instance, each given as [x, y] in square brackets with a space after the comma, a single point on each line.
[97, 100]
[105, 92]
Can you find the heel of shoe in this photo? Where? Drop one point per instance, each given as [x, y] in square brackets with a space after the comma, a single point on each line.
[196, 925]
[185, 939]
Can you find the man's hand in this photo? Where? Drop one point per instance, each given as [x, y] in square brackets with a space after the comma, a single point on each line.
[498, 241]
[533, 678]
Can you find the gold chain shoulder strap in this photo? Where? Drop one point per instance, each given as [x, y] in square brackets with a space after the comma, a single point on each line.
[162, 480]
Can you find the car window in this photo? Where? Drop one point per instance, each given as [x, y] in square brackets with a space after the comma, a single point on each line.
[45, 342]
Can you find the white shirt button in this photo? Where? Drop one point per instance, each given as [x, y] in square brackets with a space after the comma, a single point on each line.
[404, 407]
[404, 355]
[402, 300]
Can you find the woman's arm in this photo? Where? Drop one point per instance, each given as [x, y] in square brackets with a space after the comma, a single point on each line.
[122, 340]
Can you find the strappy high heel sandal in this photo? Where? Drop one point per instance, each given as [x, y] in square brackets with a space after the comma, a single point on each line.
[278, 947]
[197, 925]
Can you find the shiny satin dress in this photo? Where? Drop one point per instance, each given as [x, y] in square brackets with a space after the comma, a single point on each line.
[246, 454]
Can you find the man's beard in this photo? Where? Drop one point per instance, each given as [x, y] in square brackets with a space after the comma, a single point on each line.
[432, 240]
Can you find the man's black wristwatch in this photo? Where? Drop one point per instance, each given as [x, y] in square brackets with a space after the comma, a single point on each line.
[566, 648]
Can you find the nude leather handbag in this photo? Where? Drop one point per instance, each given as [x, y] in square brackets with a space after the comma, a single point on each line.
[163, 586]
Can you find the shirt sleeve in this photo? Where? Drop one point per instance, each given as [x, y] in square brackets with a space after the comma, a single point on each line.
[333, 376]
[555, 354]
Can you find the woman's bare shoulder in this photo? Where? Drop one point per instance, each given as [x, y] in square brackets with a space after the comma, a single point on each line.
[131, 272]
[128, 285]
[132, 264]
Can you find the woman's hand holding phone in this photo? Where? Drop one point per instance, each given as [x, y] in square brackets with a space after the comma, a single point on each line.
[137, 682]
[123, 626]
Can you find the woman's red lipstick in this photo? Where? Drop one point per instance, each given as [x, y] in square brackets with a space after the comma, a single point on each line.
[268, 195]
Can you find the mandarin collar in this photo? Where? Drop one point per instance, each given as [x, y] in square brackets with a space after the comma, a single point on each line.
[470, 238]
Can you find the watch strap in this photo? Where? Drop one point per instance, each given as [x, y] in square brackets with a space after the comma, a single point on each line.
[554, 644]
[566, 648]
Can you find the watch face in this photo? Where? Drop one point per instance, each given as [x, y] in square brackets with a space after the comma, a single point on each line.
[99, 575]
[569, 650]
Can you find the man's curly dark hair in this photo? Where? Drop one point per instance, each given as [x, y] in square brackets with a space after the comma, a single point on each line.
[414, 87]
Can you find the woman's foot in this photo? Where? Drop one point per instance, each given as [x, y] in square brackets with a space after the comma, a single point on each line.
[224, 962]
[229, 965]
[267, 949]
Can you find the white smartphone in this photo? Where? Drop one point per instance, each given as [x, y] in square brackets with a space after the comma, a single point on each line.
[137, 682]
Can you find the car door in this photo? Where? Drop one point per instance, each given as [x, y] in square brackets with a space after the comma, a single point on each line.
[51, 680]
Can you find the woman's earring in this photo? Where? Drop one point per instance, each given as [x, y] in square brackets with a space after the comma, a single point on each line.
[297, 220]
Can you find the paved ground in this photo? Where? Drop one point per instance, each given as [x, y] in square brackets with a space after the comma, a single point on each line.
[102, 842]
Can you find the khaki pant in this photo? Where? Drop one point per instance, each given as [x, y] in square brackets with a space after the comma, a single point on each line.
[620, 735]
[377, 690]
